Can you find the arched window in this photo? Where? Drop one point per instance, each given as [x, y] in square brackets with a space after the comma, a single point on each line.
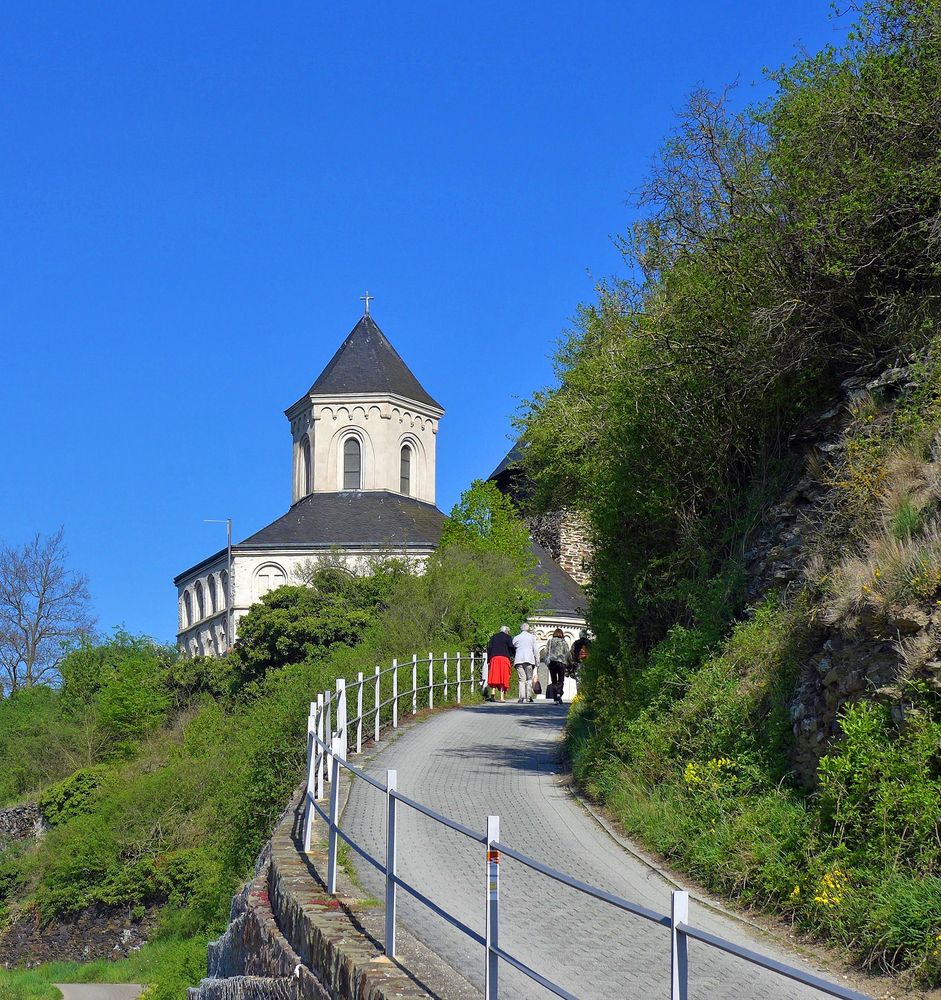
[200, 607]
[187, 610]
[267, 578]
[212, 595]
[224, 587]
[405, 470]
[352, 464]
[307, 468]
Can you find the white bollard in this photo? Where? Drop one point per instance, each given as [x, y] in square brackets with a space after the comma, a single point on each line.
[445, 678]
[395, 694]
[431, 681]
[311, 790]
[414, 683]
[459, 677]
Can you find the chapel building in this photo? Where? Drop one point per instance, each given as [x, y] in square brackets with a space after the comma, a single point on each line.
[363, 454]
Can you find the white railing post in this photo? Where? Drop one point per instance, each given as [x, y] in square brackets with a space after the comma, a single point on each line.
[414, 683]
[341, 717]
[334, 815]
[376, 734]
[390, 863]
[329, 731]
[459, 677]
[492, 937]
[445, 678]
[679, 914]
[311, 789]
[359, 712]
[431, 681]
[395, 694]
[321, 735]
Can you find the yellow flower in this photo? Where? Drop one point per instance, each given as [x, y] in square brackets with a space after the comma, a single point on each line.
[795, 892]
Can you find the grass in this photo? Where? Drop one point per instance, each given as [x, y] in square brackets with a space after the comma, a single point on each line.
[173, 963]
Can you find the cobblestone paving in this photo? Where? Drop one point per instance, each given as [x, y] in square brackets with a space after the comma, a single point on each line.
[503, 760]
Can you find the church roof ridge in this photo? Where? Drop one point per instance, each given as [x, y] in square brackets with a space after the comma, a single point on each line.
[366, 362]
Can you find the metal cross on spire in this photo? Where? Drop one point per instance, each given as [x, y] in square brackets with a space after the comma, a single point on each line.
[367, 298]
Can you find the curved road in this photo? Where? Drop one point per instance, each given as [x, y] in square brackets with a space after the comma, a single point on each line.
[504, 759]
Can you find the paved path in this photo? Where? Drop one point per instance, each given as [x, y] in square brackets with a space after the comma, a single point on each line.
[503, 759]
[99, 991]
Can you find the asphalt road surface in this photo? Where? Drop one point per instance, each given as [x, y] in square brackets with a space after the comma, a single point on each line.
[99, 991]
[504, 760]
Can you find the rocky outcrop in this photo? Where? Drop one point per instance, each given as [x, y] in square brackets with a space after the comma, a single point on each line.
[23, 822]
[97, 932]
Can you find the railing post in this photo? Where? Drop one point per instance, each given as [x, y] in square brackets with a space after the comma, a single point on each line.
[395, 694]
[390, 863]
[492, 969]
[334, 813]
[376, 735]
[679, 914]
[431, 681]
[329, 731]
[321, 735]
[414, 683]
[445, 678]
[459, 677]
[359, 712]
[341, 717]
[311, 789]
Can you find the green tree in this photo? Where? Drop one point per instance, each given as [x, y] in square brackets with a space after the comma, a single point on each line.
[296, 623]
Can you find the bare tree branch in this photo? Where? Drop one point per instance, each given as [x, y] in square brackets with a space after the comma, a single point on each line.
[43, 608]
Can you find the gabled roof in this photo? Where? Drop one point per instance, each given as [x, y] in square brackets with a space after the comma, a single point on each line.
[564, 595]
[366, 362]
[351, 520]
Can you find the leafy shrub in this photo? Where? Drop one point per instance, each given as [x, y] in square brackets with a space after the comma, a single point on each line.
[71, 797]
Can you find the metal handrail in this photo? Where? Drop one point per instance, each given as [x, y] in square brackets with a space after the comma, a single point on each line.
[439, 817]
[589, 890]
[336, 750]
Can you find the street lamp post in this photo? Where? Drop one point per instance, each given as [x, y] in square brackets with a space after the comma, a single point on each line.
[227, 521]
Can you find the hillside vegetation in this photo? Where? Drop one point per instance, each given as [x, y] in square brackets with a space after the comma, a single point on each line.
[778, 734]
[161, 776]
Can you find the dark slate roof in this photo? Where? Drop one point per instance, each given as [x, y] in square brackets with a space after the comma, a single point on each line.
[510, 462]
[565, 595]
[367, 362]
[352, 519]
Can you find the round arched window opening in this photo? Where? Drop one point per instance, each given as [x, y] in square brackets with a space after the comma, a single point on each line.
[352, 464]
[307, 468]
[200, 607]
[405, 471]
[212, 595]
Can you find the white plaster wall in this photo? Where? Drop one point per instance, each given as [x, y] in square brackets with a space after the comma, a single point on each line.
[382, 424]
[253, 574]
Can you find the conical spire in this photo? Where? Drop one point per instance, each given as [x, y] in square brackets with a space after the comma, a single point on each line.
[365, 363]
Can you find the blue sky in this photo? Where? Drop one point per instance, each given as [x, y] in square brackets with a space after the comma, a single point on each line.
[196, 195]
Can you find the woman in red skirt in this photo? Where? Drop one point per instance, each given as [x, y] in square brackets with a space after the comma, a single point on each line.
[500, 651]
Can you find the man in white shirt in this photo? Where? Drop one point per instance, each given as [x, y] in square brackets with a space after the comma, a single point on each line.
[525, 660]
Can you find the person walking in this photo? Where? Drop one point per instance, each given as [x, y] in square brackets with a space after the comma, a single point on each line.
[525, 659]
[499, 657]
[557, 653]
[580, 649]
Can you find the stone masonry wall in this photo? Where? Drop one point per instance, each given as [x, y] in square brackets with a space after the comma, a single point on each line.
[22, 822]
[574, 547]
